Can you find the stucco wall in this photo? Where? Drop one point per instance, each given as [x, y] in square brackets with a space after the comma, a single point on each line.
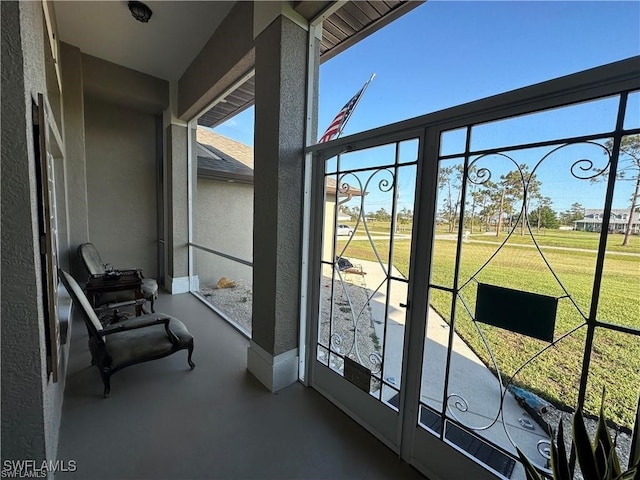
[76, 172]
[177, 203]
[279, 173]
[121, 184]
[223, 221]
[123, 86]
[31, 404]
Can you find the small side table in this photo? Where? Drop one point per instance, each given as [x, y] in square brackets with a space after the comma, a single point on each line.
[115, 281]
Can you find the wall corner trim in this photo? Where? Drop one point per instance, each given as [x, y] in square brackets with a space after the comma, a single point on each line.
[274, 372]
[179, 285]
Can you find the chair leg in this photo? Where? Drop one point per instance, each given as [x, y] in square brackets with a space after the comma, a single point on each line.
[191, 364]
[106, 379]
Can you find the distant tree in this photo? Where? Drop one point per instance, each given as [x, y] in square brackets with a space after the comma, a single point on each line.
[382, 215]
[628, 170]
[540, 217]
[484, 198]
[544, 217]
[576, 212]
[533, 193]
[450, 180]
[404, 219]
[510, 189]
[405, 215]
[476, 201]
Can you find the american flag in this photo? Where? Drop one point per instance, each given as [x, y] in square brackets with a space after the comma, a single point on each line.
[337, 124]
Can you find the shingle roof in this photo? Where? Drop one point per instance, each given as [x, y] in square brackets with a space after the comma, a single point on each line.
[330, 185]
[221, 158]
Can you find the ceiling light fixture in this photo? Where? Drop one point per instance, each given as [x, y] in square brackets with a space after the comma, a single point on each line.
[140, 11]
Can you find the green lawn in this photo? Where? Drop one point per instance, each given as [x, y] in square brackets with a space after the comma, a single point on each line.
[551, 238]
[615, 359]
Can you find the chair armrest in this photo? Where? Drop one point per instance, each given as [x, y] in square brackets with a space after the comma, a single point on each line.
[134, 324]
[140, 323]
[129, 303]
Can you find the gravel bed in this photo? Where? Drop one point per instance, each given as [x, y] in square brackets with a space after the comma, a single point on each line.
[234, 302]
[351, 311]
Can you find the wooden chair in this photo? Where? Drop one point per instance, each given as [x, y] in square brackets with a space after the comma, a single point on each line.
[132, 341]
[95, 266]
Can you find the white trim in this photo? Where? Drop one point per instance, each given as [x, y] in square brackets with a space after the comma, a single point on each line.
[310, 134]
[194, 283]
[274, 372]
[178, 285]
[191, 128]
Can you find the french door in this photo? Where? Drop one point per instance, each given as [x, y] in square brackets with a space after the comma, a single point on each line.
[475, 276]
[367, 209]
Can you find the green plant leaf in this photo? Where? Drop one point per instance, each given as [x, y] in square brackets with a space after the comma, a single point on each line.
[529, 470]
[633, 474]
[584, 451]
[604, 463]
[559, 461]
[604, 448]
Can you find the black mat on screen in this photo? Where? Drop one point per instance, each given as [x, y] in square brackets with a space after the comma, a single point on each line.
[475, 446]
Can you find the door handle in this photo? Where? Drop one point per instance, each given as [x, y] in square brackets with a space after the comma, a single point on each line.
[406, 305]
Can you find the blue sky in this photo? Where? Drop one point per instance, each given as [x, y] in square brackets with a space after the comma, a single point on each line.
[445, 53]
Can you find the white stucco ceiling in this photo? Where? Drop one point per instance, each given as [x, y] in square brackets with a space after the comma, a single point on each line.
[164, 47]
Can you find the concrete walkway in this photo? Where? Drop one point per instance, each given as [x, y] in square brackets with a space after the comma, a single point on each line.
[469, 377]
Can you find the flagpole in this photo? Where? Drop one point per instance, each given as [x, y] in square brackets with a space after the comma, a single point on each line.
[364, 87]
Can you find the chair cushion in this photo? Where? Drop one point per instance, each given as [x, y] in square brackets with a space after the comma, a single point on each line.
[132, 346]
[91, 258]
[149, 288]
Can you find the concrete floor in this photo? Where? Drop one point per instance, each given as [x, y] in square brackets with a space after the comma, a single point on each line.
[164, 421]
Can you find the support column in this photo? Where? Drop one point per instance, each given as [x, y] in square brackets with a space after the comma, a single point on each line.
[281, 71]
[74, 138]
[176, 201]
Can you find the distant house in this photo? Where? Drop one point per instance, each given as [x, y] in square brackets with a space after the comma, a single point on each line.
[335, 196]
[223, 207]
[593, 218]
